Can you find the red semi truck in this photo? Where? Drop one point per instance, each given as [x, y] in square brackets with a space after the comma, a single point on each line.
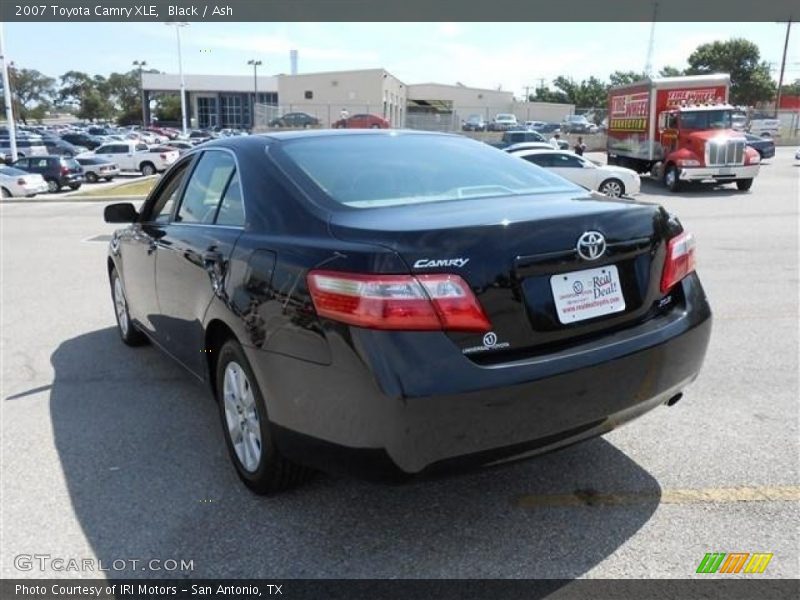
[680, 129]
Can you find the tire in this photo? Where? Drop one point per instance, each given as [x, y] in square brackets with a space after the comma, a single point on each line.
[243, 416]
[612, 187]
[109, 179]
[148, 169]
[91, 177]
[53, 186]
[75, 186]
[125, 327]
[672, 178]
[744, 184]
[5, 193]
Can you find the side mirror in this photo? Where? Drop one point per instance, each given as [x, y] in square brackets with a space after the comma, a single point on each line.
[121, 212]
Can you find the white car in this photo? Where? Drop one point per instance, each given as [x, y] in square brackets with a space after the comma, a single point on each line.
[136, 156]
[514, 148]
[606, 179]
[797, 154]
[503, 122]
[15, 182]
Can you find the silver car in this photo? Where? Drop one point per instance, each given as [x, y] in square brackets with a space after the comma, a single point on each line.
[17, 183]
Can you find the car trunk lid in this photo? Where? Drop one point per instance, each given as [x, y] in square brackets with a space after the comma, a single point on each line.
[509, 250]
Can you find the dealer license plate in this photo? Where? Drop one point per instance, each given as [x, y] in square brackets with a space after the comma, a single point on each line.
[585, 294]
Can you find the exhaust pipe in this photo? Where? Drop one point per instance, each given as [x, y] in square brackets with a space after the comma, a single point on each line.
[674, 400]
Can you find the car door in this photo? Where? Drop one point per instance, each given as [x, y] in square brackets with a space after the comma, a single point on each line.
[139, 245]
[193, 253]
[570, 167]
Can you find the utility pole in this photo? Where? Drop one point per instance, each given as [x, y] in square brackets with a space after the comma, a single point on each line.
[648, 65]
[256, 64]
[178, 25]
[783, 67]
[12, 126]
[141, 64]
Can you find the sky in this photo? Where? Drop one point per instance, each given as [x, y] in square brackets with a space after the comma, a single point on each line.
[487, 55]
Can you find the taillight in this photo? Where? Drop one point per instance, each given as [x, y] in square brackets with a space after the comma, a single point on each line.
[163, 156]
[20, 181]
[421, 303]
[679, 262]
[65, 170]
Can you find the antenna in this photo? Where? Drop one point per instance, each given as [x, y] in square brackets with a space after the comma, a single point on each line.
[648, 65]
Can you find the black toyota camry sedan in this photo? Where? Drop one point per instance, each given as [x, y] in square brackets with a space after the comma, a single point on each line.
[391, 303]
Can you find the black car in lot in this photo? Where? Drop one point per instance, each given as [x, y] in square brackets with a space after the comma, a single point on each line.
[395, 303]
[764, 146]
[82, 139]
[295, 119]
[57, 171]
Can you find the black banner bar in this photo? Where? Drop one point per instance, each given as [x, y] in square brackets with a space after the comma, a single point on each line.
[739, 588]
[64, 11]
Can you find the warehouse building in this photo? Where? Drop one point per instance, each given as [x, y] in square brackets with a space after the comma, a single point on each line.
[230, 100]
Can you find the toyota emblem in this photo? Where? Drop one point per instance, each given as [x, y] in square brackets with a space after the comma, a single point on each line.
[591, 245]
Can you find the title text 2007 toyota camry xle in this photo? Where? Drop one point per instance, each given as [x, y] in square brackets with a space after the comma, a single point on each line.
[391, 303]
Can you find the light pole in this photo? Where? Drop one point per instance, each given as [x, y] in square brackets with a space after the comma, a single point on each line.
[141, 64]
[178, 25]
[12, 126]
[255, 64]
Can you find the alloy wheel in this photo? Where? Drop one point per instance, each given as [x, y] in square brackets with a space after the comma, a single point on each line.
[612, 188]
[121, 307]
[241, 416]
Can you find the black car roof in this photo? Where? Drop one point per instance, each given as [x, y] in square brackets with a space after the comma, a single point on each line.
[259, 138]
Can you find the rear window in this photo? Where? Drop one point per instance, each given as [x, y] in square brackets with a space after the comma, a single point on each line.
[12, 172]
[71, 163]
[365, 171]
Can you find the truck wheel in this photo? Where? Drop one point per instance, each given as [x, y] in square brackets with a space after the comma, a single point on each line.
[91, 177]
[744, 184]
[148, 169]
[672, 178]
[53, 186]
[612, 187]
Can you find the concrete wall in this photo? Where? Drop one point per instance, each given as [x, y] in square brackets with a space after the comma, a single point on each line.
[170, 82]
[549, 112]
[374, 91]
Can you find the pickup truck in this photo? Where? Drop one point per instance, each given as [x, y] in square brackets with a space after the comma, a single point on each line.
[136, 156]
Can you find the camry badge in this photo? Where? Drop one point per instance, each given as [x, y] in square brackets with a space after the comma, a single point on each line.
[591, 245]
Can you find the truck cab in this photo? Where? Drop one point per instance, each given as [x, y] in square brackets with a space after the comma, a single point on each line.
[699, 143]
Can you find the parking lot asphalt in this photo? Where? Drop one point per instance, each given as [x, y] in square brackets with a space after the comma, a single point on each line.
[115, 453]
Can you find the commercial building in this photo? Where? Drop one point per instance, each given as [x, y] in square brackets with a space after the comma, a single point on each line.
[230, 101]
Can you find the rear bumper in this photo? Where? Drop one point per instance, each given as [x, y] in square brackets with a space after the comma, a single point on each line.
[390, 404]
[718, 173]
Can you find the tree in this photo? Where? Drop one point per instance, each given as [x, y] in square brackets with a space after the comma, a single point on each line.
[92, 94]
[545, 94]
[751, 82]
[125, 92]
[588, 93]
[625, 77]
[670, 71]
[168, 107]
[30, 89]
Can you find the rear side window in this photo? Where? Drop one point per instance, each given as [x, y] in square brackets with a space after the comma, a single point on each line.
[231, 210]
[141, 147]
[543, 160]
[206, 187]
[368, 171]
